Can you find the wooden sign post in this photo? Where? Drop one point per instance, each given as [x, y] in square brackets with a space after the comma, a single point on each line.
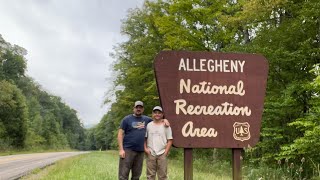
[213, 100]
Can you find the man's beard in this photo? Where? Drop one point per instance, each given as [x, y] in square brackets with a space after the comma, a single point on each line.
[138, 113]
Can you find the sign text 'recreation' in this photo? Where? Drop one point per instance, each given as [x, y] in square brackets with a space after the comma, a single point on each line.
[212, 99]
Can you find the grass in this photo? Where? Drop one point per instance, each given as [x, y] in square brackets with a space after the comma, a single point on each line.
[104, 165]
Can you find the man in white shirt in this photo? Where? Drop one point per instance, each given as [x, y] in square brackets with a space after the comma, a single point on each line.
[157, 145]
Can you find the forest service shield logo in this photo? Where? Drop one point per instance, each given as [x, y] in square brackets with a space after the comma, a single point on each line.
[241, 131]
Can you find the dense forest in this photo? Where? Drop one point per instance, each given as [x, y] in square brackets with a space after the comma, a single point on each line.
[30, 117]
[286, 32]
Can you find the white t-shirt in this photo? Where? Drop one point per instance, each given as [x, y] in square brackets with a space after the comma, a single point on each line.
[157, 137]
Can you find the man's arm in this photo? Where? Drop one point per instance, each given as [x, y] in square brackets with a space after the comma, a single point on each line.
[169, 140]
[122, 153]
[168, 146]
[146, 149]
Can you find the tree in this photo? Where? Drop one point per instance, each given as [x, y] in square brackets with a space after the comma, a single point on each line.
[286, 32]
[31, 117]
[307, 144]
[13, 116]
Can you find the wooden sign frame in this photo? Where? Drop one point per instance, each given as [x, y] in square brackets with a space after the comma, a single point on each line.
[213, 100]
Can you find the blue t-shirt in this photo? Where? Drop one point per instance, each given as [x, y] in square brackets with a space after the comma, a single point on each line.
[134, 131]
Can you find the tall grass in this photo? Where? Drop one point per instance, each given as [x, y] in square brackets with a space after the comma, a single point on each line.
[104, 165]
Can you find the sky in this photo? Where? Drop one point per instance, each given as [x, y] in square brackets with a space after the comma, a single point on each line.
[68, 44]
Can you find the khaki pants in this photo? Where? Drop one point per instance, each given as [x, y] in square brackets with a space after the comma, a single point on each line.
[157, 165]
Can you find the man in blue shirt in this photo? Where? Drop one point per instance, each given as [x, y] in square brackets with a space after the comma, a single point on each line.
[131, 137]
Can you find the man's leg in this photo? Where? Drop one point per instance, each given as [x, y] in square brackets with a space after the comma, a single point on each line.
[162, 167]
[137, 165]
[125, 164]
[151, 167]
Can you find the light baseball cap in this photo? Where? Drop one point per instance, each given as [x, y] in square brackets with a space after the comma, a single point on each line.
[157, 108]
[138, 103]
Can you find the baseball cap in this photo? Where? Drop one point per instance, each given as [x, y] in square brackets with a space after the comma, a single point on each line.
[157, 108]
[138, 103]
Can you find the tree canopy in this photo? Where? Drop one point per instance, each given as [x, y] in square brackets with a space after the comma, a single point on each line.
[29, 116]
[286, 32]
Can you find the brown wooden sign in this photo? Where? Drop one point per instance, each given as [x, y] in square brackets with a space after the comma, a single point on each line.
[212, 99]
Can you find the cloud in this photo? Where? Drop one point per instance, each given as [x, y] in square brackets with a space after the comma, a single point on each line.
[68, 45]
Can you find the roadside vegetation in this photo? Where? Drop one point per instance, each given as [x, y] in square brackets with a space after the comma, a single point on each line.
[104, 165]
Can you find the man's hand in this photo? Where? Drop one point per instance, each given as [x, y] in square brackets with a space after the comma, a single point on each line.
[122, 153]
[147, 151]
[166, 122]
[166, 153]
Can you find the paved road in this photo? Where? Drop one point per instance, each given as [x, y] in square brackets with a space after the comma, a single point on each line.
[15, 166]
